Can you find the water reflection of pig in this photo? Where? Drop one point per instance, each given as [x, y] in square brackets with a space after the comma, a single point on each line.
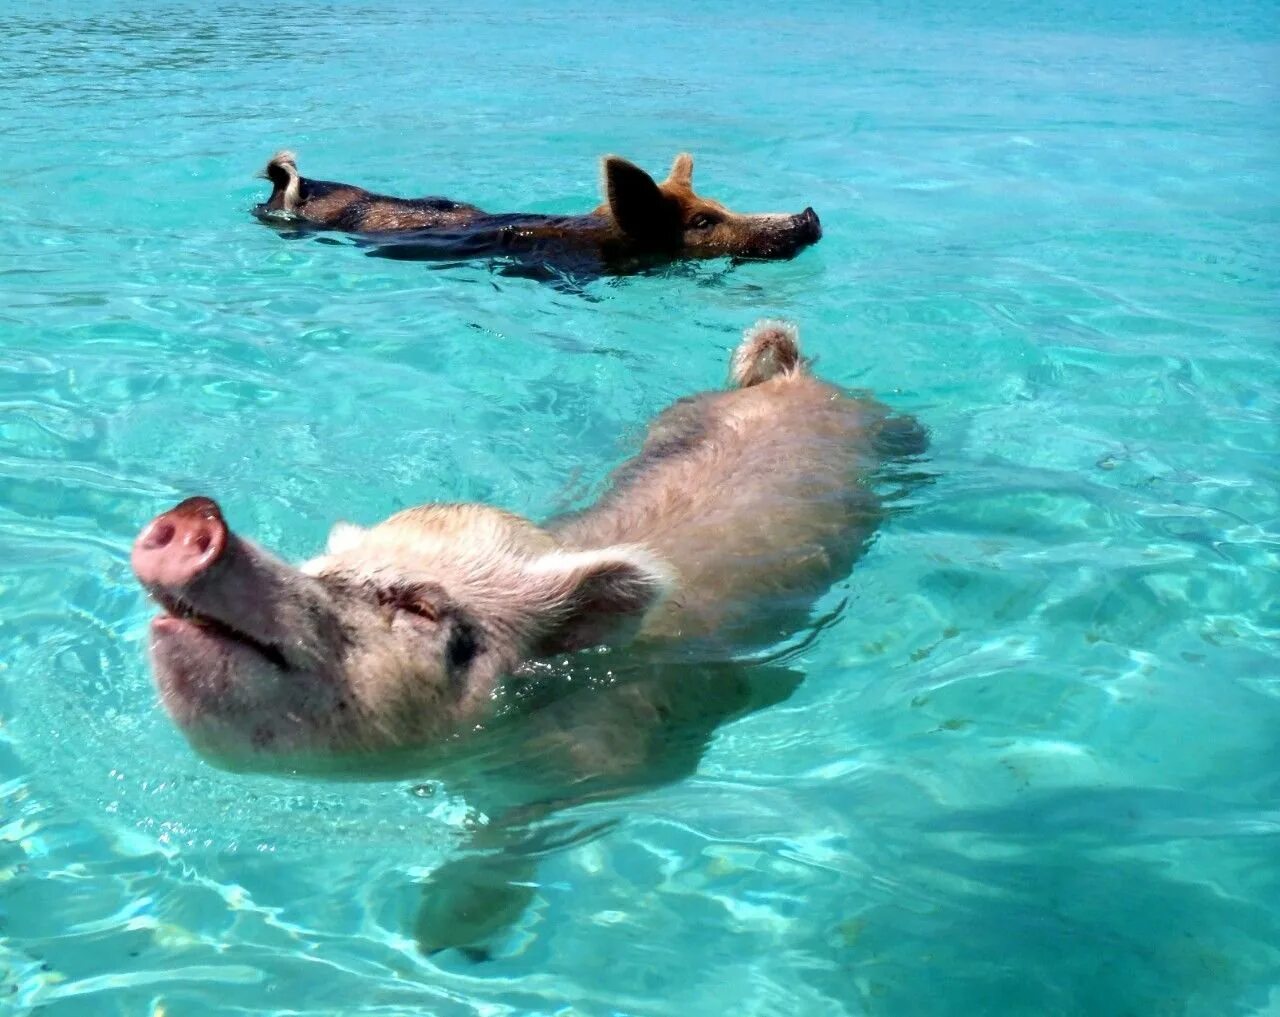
[408, 640]
[640, 222]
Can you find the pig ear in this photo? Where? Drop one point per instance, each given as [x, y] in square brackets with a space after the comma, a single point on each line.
[640, 209]
[593, 596]
[682, 171]
[343, 537]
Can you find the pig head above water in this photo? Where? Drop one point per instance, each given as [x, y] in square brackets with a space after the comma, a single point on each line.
[641, 222]
[741, 507]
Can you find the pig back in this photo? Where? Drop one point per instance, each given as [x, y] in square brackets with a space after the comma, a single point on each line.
[758, 499]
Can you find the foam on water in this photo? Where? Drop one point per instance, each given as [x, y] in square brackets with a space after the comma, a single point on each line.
[1032, 768]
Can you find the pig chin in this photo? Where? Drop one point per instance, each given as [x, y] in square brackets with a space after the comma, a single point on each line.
[220, 691]
[198, 669]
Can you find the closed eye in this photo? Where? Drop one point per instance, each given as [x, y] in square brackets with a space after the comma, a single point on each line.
[704, 220]
[413, 601]
[422, 609]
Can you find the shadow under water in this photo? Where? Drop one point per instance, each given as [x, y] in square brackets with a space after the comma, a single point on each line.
[614, 734]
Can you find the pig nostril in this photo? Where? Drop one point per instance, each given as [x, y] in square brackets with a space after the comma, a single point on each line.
[160, 536]
[180, 545]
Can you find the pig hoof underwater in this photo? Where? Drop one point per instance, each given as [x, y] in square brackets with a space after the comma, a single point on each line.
[741, 507]
[640, 222]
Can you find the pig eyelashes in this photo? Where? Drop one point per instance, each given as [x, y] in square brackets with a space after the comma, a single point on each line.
[414, 601]
[464, 638]
[427, 601]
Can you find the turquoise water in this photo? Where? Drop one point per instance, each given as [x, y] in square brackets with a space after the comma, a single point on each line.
[1034, 765]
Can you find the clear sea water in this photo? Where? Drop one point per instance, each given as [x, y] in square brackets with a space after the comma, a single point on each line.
[1034, 765]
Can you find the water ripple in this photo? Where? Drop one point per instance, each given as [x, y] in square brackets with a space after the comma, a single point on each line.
[1031, 766]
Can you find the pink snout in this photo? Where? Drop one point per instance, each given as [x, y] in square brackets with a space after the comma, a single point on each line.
[180, 545]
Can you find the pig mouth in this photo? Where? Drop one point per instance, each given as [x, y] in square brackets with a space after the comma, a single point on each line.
[176, 610]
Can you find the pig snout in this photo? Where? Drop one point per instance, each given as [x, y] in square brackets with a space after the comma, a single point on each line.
[809, 226]
[180, 545]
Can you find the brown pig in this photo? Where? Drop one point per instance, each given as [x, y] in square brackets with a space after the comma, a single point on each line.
[741, 506]
[640, 222]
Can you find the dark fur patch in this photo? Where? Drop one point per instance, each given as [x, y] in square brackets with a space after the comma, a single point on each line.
[465, 642]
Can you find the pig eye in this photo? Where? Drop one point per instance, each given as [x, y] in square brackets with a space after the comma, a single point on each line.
[411, 601]
[422, 608]
[703, 220]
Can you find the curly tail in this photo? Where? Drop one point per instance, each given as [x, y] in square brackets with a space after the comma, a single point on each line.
[286, 184]
[281, 167]
[768, 349]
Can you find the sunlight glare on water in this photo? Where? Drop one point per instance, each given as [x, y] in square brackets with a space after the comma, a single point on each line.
[1033, 766]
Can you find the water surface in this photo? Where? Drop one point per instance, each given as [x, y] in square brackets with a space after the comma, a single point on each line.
[1032, 768]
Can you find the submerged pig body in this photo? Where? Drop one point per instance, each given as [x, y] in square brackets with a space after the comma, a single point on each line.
[640, 221]
[741, 506]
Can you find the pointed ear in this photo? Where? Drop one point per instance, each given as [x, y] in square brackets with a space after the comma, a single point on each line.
[596, 596]
[640, 209]
[682, 171]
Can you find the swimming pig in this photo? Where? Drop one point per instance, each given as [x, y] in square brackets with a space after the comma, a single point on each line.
[641, 222]
[739, 508]
[443, 639]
